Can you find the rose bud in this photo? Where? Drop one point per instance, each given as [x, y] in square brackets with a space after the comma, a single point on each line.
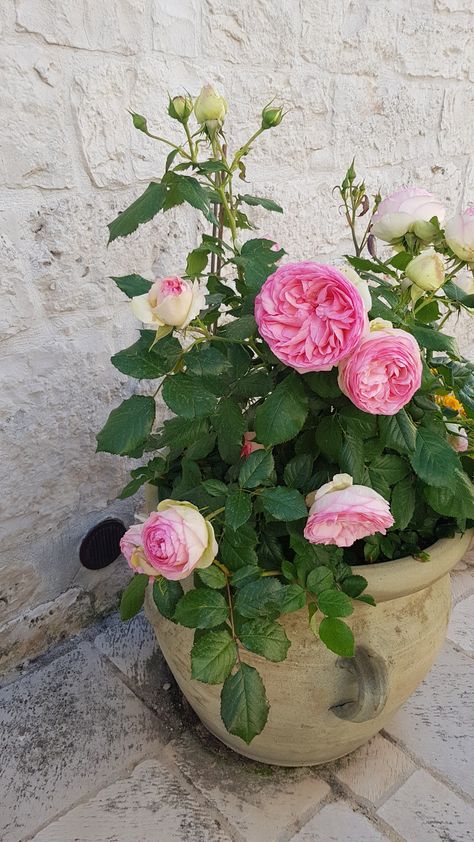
[372, 245]
[460, 235]
[180, 107]
[403, 211]
[271, 116]
[426, 270]
[210, 108]
[171, 301]
[250, 445]
[457, 437]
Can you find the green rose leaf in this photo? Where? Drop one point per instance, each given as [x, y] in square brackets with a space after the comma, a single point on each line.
[298, 471]
[166, 595]
[145, 362]
[334, 603]
[213, 656]
[283, 413]
[249, 573]
[211, 576]
[337, 636]
[434, 460]
[352, 457]
[329, 437]
[324, 383]
[284, 503]
[402, 502]
[201, 608]
[133, 596]
[256, 469]
[357, 423]
[319, 579]
[142, 210]
[258, 260]
[196, 262]
[128, 426]
[291, 598]
[240, 328]
[354, 585]
[132, 285]
[185, 188]
[230, 426]
[238, 509]
[237, 549]
[265, 638]
[398, 432]
[268, 204]
[189, 396]
[459, 503]
[215, 487]
[259, 599]
[206, 361]
[244, 705]
[433, 340]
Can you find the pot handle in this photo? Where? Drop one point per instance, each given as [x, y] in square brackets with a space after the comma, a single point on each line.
[371, 672]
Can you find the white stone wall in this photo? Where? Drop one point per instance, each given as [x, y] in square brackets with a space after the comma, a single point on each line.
[390, 81]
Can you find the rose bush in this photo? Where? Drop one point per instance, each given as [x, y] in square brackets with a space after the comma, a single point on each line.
[304, 438]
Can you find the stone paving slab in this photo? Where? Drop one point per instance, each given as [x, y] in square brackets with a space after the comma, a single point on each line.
[261, 803]
[132, 647]
[149, 806]
[66, 730]
[375, 770]
[424, 810]
[339, 823]
[437, 723]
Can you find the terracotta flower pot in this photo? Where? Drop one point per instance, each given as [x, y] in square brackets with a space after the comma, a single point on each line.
[323, 706]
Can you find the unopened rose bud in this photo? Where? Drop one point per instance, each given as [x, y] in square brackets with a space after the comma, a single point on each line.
[180, 107]
[271, 116]
[139, 122]
[425, 231]
[372, 245]
[210, 108]
[427, 270]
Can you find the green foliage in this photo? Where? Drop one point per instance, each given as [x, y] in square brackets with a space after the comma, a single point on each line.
[128, 426]
[189, 396]
[257, 468]
[202, 608]
[283, 503]
[434, 460]
[336, 635]
[244, 705]
[142, 210]
[213, 656]
[132, 285]
[166, 595]
[238, 509]
[265, 638]
[146, 361]
[212, 577]
[133, 596]
[283, 413]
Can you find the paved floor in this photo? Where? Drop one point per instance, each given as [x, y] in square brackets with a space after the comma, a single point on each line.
[97, 745]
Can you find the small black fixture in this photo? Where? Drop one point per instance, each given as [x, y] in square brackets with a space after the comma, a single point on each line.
[101, 546]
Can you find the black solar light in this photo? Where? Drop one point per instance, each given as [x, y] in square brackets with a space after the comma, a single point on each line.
[101, 546]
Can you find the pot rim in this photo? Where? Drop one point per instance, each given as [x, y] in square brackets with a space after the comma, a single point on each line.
[403, 576]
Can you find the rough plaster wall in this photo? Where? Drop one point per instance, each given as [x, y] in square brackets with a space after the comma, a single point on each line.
[388, 80]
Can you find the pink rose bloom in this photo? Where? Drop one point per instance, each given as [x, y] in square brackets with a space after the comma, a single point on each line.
[310, 315]
[342, 513]
[457, 438]
[131, 548]
[176, 539]
[249, 445]
[383, 373]
[409, 209]
[460, 235]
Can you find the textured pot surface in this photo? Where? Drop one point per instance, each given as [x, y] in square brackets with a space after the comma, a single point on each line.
[323, 706]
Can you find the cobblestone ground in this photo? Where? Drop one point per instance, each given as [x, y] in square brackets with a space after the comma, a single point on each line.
[97, 745]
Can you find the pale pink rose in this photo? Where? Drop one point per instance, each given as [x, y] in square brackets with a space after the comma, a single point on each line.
[460, 235]
[409, 209]
[343, 513]
[131, 548]
[310, 315]
[249, 445]
[458, 438]
[176, 539]
[170, 301]
[383, 373]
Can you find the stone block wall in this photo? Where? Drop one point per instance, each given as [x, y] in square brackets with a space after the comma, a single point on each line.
[390, 81]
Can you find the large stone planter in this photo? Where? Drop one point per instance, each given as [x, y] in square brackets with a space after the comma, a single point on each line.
[323, 706]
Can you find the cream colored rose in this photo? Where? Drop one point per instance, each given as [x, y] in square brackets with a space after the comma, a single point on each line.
[171, 301]
[427, 270]
[210, 106]
[360, 284]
